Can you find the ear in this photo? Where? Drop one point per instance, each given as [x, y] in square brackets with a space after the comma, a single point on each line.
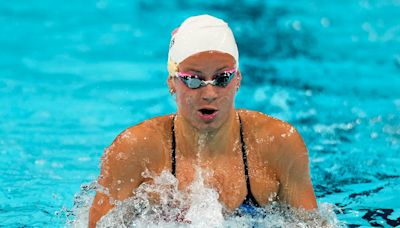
[171, 84]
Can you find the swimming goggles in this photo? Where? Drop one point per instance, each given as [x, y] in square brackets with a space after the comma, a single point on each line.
[194, 81]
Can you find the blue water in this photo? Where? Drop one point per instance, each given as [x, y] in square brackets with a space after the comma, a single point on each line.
[75, 74]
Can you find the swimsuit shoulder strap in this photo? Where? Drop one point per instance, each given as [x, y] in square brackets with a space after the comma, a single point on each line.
[173, 161]
[249, 198]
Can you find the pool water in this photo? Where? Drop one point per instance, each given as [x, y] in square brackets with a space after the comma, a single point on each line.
[73, 76]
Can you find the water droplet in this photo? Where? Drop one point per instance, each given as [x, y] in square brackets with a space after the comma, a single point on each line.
[272, 197]
[271, 139]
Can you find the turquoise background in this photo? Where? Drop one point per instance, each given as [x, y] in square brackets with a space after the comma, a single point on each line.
[74, 74]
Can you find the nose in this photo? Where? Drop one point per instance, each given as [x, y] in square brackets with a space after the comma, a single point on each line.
[209, 94]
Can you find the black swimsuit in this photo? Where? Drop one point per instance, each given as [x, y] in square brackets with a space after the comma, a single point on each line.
[249, 201]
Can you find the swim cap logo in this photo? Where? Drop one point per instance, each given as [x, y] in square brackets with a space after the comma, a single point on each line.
[173, 37]
[172, 42]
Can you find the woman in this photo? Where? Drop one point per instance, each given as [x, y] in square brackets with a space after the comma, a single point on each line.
[255, 159]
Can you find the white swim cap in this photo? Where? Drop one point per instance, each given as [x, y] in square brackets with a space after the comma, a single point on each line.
[197, 34]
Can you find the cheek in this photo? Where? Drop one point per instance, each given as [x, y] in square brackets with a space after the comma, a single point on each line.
[189, 100]
[185, 100]
[227, 98]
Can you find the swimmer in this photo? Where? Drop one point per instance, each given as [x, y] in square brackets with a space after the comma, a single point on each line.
[255, 159]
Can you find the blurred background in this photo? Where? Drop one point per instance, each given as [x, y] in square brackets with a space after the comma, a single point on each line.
[74, 74]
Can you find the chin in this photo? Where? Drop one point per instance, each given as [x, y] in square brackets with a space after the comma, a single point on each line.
[207, 126]
[202, 125]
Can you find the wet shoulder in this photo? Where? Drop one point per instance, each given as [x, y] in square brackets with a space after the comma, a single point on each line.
[262, 123]
[153, 128]
[147, 141]
[152, 134]
[265, 131]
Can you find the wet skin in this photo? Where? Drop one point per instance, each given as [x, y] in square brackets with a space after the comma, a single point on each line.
[277, 156]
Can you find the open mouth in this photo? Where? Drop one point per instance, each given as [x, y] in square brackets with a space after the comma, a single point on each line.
[206, 111]
[207, 114]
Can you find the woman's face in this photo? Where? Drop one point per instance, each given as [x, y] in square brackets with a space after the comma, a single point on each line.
[207, 107]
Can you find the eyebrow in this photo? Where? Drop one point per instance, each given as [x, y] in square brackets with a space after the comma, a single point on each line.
[222, 68]
[199, 72]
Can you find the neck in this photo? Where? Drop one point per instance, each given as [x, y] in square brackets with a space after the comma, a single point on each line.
[206, 143]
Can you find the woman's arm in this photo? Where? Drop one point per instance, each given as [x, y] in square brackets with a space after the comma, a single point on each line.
[296, 188]
[120, 175]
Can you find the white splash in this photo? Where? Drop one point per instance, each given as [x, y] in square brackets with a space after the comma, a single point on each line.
[196, 206]
[204, 202]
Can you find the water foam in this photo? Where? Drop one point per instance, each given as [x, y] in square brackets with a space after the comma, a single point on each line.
[160, 204]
